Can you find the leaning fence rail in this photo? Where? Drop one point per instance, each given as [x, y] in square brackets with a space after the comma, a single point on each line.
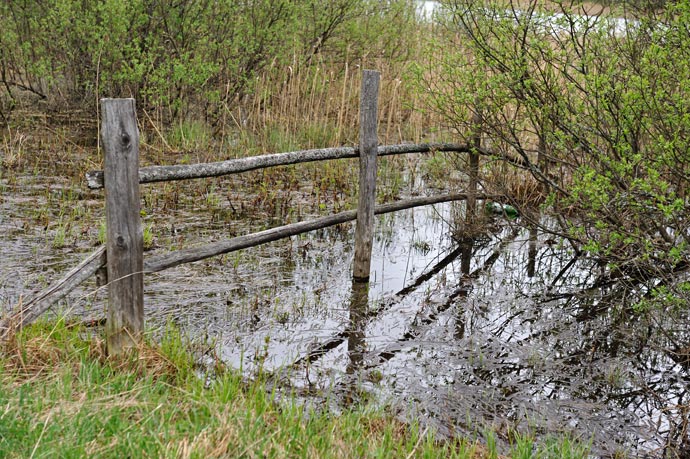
[123, 251]
[198, 253]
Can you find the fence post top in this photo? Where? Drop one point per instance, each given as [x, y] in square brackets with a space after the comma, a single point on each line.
[122, 103]
[371, 72]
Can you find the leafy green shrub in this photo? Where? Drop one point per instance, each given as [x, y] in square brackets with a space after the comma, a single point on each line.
[181, 56]
[595, 107]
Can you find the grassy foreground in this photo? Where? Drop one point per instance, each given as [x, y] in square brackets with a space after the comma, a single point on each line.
[61, 397]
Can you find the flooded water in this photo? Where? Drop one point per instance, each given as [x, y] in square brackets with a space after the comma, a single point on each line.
[461, 333]
[550, 23]
[426, 8]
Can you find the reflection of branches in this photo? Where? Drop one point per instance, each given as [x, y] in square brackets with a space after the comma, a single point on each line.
[677, 416]
[322, 349]
[337, 340]
[462, 290]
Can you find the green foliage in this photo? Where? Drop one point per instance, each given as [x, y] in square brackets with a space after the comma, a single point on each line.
[597, 107]
[189, 135]
[182, 54]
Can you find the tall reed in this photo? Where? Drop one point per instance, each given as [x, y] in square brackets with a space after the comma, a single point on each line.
[317, 104]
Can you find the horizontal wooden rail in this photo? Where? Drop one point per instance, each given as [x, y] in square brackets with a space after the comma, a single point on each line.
[151, 174]
[169, 260]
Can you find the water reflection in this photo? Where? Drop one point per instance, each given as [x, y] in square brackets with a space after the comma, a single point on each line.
[584, 365]
[466, 247]
[359, 307]
[532, 249]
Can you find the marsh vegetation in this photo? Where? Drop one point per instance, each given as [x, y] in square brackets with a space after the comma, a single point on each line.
[570, 321]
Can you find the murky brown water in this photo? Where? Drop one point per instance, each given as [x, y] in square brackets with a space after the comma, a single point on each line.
[458, 334]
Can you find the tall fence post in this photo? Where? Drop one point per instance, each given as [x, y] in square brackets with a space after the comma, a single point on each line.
[368, 147]
[476, 144]
[125, 242]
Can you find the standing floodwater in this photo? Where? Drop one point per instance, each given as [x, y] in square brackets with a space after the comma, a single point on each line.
[496, 331]
[464, 333]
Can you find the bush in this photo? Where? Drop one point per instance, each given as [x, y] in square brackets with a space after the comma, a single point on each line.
[596, 107]
[183, 55]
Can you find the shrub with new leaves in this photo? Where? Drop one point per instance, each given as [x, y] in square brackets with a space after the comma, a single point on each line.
[185, 55]
[596, 103]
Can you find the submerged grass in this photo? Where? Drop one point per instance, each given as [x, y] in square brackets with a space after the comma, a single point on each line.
[60, 396]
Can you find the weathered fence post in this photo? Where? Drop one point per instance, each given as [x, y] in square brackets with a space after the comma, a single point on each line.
[125, 244]
[368, 146]
[471, 205]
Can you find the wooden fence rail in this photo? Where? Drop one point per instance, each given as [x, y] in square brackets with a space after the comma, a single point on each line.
[192, 254]
[26, 312]
[153, 174]
[123, 254]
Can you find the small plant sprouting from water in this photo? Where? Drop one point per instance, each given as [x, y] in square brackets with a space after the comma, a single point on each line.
[212, 200]
[236, 259]
[615, 376]
[260, 357]
[299, 307]
[102, 231]
[422, 247]
[283, 317]
[12, 150]
[375, 376]
[148, 236]
[60, 235]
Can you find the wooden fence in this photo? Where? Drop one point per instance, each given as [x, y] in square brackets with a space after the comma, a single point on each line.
[122, 255]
